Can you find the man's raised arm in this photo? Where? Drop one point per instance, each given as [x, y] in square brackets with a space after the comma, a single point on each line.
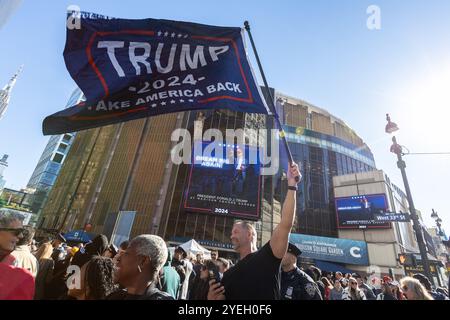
[280, 236]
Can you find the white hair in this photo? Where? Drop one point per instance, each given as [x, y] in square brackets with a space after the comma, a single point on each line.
[7, 217]
[153, 247]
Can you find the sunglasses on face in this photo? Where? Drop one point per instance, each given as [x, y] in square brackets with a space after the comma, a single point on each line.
[14, 231]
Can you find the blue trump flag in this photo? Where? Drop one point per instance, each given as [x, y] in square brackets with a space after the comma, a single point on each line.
[131, 69]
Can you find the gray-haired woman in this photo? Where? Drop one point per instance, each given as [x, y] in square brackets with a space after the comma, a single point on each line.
[137, 269]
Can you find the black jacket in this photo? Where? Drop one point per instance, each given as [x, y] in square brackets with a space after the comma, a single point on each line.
[152, 293]
[297, 285]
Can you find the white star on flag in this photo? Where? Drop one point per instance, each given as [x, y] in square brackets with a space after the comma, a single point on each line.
[190, 100]
[163, 103]
[173, 34]
[186, 36]
[172, 101]
[181, 100]
[159, 33]
[166, 34]
[180, 35]
[154, 105]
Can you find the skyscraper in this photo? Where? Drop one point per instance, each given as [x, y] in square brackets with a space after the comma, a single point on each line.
[5, 93]
[3, 165]
[49, 165]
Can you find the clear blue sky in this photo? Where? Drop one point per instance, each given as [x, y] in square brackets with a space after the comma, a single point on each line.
[320, 51]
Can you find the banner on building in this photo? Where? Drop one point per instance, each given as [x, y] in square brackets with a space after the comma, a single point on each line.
[228, 184]
[130, 69]
[359, 212]
[331, 249]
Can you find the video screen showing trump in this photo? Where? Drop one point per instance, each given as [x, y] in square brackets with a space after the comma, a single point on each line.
[226, 184]
[358, 212]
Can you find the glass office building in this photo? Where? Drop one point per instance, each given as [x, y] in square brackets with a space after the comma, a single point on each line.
[51, 160]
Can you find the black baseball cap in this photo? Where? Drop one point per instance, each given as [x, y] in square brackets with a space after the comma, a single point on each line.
[293, 249]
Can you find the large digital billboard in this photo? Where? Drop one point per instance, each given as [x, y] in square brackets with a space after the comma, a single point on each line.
[225, 184]
[358, 212]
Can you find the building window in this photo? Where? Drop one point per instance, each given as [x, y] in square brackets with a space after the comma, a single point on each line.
[62, 147]
[67, 137]
[58, 158]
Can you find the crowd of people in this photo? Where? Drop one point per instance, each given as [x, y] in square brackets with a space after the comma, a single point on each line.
[144, 268]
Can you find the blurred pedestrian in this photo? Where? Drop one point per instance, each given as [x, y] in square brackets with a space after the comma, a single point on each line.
[336, 292]
[214, 255]
[110, 251]
[328, 287]
[22, 253]
[169, 279]
[368, 292]
[427, 284]
[386, 290]
[96, 280]
[414, 290]
[353, 292]
[45, 270]
[180, 260]
[315, 274]
[200, 286]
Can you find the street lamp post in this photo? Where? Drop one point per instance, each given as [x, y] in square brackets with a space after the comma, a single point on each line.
[397, 149]
[438, 220]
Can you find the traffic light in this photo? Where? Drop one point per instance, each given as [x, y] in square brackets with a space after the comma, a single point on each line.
[408, 259]
[402, 258]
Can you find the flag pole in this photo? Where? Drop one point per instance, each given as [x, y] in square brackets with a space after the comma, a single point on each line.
[271, 102]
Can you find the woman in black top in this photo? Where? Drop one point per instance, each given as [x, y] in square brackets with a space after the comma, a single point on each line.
[138, 267]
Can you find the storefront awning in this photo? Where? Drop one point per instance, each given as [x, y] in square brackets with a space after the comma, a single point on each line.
[331, 267]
